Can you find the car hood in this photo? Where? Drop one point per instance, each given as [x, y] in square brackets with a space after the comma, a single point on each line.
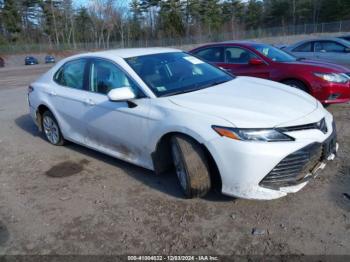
[248, 102]
[321, 64]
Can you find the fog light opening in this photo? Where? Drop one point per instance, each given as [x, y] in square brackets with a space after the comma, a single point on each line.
[333, 96]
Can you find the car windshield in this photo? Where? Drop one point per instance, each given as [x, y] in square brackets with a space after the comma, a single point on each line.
[175, 73]
[274, 53]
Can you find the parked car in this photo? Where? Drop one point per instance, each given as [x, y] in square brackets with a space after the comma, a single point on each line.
[161, 107]
[30, 60]
[332, 50]
[344, 37]
[280, 46]
[329, 83]
[49, 59]
[2, 62]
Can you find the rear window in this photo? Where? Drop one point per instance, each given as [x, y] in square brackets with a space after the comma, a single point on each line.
[211, 54]
[71, 74]
[307, 47]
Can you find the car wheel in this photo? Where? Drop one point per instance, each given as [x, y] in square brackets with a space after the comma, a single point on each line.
[297, 84]
[191, 166]
[51, 129]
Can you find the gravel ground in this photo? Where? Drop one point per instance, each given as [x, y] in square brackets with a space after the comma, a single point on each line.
[72, 200]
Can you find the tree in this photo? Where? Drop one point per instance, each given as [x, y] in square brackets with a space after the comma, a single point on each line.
[170, 18]
[233, 14]
[11, 19]
[84, 23]
[105, 21]
[211, 14]
[254, 14]
[136, 20]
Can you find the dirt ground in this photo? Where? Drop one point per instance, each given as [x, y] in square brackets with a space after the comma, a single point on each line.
[72, 200]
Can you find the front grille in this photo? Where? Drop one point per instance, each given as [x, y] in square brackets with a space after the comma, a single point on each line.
[292, 169]
[320, 125]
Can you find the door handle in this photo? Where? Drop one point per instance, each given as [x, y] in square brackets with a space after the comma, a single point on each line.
[89, 102]
[225, 69]
[52, 93]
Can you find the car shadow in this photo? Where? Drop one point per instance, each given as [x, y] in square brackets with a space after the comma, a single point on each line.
[25, 122]
[166, 183]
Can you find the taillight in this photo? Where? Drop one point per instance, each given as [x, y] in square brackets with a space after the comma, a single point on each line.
[30, 89]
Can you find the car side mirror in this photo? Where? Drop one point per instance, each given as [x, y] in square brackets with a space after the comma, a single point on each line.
[256, 61]
[120, 94]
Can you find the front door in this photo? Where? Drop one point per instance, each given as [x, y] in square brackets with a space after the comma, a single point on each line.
[115, 127]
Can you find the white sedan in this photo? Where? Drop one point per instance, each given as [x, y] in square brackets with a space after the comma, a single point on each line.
[161, 108]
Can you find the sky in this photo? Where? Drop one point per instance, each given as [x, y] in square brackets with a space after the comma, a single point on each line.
[79, 3]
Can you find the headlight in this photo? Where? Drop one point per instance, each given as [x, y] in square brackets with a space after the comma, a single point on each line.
[247, 134]
[333, 77]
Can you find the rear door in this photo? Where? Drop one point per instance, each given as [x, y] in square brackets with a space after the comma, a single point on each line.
[69, 98]
[212, 54]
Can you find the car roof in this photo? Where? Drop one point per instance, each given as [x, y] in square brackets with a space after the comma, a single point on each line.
[130, 52]
[233, 42]
[335, 39]
[245, 42]
[238, 42]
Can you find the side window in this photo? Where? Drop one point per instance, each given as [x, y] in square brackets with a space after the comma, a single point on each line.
[105, 76]
[306, 47]
[71, 74]
[212, 54]
[329, 46]
[237, 55]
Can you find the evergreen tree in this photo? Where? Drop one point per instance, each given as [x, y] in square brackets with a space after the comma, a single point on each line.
[11, 19]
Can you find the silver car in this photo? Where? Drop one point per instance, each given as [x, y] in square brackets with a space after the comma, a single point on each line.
[333, 50]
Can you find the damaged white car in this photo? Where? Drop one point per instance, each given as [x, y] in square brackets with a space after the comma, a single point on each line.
[159, 108]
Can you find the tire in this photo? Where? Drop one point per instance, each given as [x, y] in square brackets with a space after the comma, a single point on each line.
[51, 129]
[191, 166]
[297, 84]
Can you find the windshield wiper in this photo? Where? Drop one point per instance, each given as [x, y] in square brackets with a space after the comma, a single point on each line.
[196, 88]
[215, 83]
[182, 91]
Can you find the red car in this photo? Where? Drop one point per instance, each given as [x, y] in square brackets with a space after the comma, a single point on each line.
[329, 83]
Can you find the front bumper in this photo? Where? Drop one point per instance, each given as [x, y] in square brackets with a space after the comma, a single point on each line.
[333, 93]
[302, 165]
[243, 166]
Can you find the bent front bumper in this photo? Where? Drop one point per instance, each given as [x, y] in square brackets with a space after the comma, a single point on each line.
[301, 165]
[258, 170]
